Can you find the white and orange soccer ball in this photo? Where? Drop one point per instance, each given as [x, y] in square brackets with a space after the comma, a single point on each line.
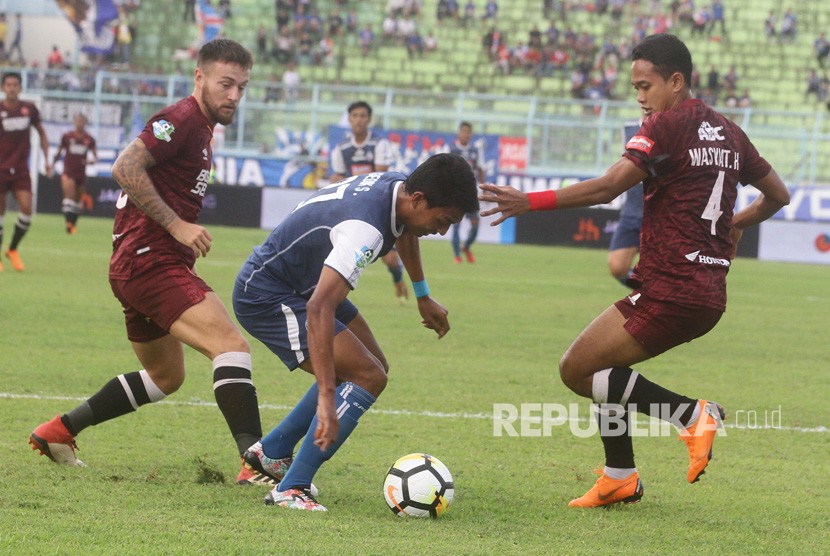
[418, 485]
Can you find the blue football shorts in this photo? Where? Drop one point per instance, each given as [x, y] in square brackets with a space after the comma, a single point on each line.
[627, 233]
[279, 321]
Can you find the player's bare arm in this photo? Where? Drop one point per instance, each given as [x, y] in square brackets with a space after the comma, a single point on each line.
[774, 195]
[130, 171]
[44, 146]
[330, 292]
[433, 314]
[620, 177]
[57, 157]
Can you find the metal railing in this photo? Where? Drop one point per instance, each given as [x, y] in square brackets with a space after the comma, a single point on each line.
[563, 135]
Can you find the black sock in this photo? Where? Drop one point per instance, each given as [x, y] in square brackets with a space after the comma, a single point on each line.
[656, 401]
[20, 229]
[121, 395]
[615, 432]
[236, 397]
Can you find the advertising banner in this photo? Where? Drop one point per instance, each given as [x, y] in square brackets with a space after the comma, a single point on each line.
[222, 205]
[795, 242]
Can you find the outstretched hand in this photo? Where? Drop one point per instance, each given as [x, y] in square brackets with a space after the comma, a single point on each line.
[509, 201]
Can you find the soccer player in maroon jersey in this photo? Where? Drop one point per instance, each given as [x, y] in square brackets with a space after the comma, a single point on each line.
[17, 118]
[691, 160]
[164, 174]
[75, 147]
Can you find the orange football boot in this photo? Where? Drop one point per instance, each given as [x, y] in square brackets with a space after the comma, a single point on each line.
[609, 491]
[17, 262]
[700, 436]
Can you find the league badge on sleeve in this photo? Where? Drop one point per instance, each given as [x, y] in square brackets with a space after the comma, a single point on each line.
[163, 130]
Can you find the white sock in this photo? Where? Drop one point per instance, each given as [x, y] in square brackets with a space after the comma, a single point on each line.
[617, 473]
[695, 415]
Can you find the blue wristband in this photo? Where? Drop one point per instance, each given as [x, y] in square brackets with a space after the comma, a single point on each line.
[421, 288]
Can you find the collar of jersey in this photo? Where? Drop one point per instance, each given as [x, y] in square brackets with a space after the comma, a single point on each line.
[396, 231]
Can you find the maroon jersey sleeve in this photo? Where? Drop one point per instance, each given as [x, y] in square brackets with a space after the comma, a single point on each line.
[35, 113]
[158, 135]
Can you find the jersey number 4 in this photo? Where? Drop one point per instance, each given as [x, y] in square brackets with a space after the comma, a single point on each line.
[712, 211]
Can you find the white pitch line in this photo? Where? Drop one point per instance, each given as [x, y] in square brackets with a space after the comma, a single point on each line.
[394, 412]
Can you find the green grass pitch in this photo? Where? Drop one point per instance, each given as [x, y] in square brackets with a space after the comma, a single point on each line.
[161, 481]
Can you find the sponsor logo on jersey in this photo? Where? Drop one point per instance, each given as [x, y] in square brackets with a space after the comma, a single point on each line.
[363, 257]
[163, 130]
[695, 256]
[640, 143]
[77, 148]
[17, 123]
[708, 133]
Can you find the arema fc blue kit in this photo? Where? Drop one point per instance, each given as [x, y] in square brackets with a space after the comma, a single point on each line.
[345, 226]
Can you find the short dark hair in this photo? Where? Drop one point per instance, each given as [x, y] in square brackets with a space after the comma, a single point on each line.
[11, 74]
[465, 124]
[446, 180]
[668, 54]
[360, 104]
[227, 51]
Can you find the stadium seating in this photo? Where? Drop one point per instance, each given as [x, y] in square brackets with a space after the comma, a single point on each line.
[773, 73]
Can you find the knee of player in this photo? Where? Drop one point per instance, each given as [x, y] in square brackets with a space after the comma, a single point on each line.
[374, 379]
[237, 342]
[618, 269]
[169, 382]
[567, 370]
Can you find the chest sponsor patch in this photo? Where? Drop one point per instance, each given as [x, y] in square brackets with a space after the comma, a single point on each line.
[640, 143]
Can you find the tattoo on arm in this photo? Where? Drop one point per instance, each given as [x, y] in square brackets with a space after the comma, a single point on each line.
[130, 170]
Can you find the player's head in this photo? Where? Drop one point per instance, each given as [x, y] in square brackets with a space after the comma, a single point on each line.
[80, 121]
[465, 132]
[661, 72]
[442, 189]
[360, 116]
[11, 83]
[223, 69]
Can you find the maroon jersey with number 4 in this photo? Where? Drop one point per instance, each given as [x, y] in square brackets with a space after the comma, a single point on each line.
[178, 137]
[15, 126]
[76, 148]
[695, 158]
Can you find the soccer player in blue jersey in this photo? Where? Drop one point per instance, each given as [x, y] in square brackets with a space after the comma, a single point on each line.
[464, 147]
[291, 295]
[361, 153]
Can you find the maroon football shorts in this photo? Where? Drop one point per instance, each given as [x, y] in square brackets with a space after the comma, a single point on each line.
[78, 178]
[154, 299]
[19, 181]
[661, 325]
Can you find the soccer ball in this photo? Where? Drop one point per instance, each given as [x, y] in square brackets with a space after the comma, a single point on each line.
[418, 485]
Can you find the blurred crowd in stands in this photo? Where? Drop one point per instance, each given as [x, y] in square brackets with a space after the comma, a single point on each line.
[588, 65]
